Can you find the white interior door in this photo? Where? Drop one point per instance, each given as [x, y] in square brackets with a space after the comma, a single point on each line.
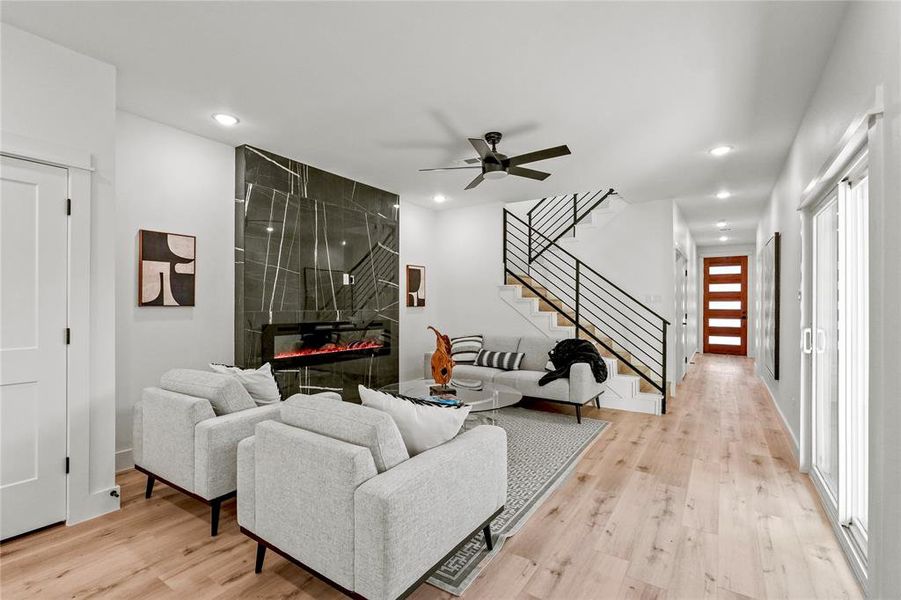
[33, 319]
[681, 315]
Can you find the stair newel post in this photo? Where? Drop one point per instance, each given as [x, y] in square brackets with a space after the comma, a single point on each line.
[578, 293]
[505, 245]
[530, 237]
[575, 211]
[663, 377]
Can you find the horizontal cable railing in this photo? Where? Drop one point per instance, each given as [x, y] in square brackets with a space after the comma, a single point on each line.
[600, 310]
[555, 216]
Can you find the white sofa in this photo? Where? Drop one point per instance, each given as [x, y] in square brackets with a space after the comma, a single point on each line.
[579, 389]
[332, 489]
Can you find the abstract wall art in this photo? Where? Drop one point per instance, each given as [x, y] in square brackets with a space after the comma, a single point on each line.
[769, 304]
[415, 285]
[166, 268]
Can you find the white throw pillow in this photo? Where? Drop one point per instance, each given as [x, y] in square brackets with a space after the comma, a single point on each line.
[421, 427]
[259, 383]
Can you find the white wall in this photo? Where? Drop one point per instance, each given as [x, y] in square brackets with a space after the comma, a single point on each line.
[169, 180]
[470, 269]
[419, 245]
[63, 99]
[685, 243]
[865, 57]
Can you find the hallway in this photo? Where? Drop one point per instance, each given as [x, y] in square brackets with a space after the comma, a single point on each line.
[704, 502]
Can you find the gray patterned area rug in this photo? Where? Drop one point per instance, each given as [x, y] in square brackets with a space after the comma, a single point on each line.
[542, 449]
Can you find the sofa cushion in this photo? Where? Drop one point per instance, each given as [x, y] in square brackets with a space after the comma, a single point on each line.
[421, 426]
[470, 372]
[225, 394]
[536, 352]
[465, 348]
[508, 361]
[349, 423]
[501, 343]
[259, 383]
[526, 382]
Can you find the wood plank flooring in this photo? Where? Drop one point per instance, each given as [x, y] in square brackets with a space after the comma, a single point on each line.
[704, 502]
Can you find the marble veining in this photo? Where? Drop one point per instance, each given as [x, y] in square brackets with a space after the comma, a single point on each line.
[313, 246]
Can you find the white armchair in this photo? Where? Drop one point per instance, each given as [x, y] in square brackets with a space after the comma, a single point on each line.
[332, 489]
[181, 441]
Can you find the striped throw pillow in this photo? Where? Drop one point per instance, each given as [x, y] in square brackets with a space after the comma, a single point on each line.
[464, 349]
[508, 361]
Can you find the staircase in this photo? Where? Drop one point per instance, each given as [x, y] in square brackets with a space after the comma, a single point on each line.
[564, 297]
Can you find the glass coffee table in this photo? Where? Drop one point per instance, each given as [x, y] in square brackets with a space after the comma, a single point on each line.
[480, 395]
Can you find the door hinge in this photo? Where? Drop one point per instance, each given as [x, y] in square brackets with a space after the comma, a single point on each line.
[68, 206]
[67, 465]
[686, 360]
[686, 272]
[68, 336]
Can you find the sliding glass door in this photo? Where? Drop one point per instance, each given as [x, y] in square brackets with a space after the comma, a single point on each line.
[837, 343]
[825, 347]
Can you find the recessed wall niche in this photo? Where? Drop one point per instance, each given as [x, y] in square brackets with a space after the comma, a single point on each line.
[316, 255]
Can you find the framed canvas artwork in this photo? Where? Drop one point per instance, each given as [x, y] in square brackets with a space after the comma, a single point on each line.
[769, 304]
[166, 268]
[415, 285]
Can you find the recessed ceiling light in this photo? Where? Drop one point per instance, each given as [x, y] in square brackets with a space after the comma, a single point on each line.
[439, 198]
[720, 224]
[723, 238]
[722, 195]
[343, 242]
[720, 150]
[224, 119]
[270, 229]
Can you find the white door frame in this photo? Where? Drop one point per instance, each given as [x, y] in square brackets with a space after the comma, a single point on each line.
[84, 498]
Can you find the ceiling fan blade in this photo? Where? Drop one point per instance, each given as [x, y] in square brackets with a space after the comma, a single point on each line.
[530, 173]
[449, 168]
[473, 161]
[481, 146]
[538, 155]
[475, 181]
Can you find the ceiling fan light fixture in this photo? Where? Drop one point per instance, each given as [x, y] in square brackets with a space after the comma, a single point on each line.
[495, 174]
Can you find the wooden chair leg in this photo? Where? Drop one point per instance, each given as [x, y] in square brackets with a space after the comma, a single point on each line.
[488, 543]
[261, 554]
[150, 481]
[597, 401]
[215, 505]
[578, 414]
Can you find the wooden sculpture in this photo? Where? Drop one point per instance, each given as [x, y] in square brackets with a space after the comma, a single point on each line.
[442, 363]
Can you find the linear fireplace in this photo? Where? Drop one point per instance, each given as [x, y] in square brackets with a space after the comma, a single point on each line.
[288, 345]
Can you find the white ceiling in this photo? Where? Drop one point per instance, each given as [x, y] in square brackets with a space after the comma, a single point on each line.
[375, 91]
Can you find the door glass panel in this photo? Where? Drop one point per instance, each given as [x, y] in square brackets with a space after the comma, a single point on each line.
[725, 287]
[825, 349]
[725, 305]
[725, 322]
[725, 270]
[723, 340]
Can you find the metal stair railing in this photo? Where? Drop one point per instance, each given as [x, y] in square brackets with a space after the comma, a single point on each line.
[555, 216]
[600, 310]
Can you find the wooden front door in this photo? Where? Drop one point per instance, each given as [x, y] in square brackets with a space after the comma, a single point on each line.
[726, 305]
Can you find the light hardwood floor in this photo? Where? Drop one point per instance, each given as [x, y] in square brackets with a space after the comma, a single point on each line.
[704, 502]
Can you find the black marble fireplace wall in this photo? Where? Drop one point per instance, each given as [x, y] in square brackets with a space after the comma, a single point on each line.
[313, 246]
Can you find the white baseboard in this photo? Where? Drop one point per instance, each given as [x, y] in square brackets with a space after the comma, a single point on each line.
[124, 460]
[795, 446]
